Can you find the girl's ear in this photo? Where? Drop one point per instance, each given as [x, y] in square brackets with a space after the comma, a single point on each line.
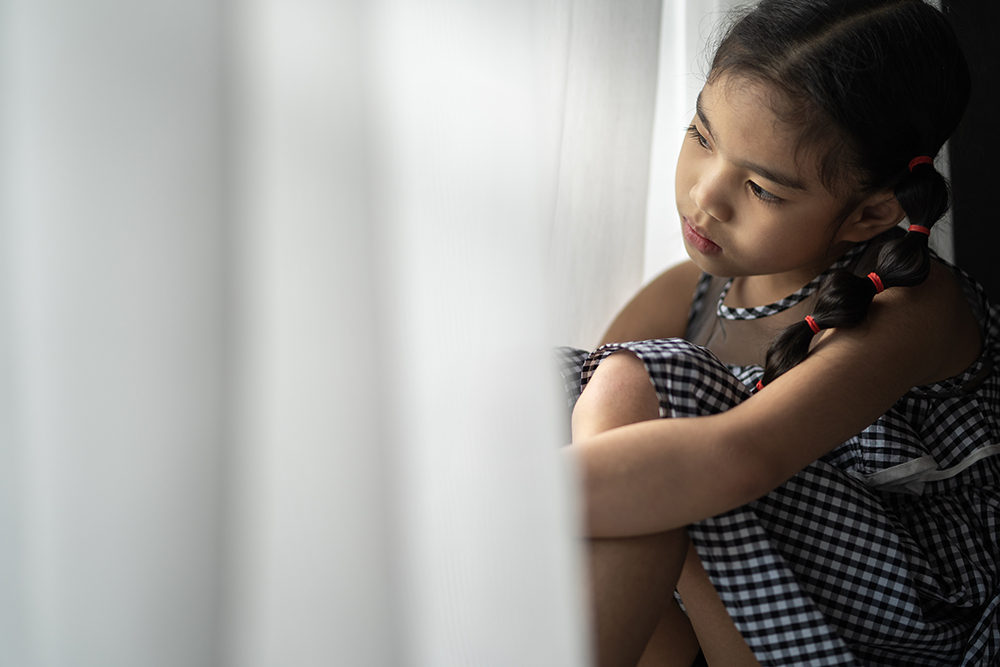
[873, 216]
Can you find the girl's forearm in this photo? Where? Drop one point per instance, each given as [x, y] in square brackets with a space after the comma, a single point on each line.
[663, 474]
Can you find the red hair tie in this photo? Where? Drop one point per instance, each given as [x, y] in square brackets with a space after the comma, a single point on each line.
[919, 229]
[812, 324]
[920, 159]
[879, 287]
[760, 385]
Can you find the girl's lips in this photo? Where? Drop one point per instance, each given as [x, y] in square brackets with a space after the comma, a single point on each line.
[701, 243]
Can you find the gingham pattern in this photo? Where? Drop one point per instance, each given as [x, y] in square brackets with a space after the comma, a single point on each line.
[733, 313]
[570, 365]
[833, 569]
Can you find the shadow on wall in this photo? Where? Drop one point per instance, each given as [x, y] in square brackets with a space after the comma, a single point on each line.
[975, 145]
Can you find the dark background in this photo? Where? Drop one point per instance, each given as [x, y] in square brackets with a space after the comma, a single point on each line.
[975, 148]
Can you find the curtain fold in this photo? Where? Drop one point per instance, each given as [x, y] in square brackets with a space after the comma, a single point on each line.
[111, 331]
[463, 114]
[310, 556]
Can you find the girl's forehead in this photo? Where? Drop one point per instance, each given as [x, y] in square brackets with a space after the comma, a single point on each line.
[750, 103]
[749, 123]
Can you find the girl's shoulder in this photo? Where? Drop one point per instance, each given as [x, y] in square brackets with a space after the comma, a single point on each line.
[660, 309]
[937, 319]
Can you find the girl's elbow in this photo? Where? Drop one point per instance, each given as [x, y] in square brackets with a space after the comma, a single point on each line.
[752, 476]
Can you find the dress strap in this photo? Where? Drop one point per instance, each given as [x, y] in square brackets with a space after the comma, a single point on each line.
[698, 300]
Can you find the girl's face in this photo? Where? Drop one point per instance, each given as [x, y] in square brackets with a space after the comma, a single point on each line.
[750, 202]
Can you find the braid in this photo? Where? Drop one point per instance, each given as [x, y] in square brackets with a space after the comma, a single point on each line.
[843, 298]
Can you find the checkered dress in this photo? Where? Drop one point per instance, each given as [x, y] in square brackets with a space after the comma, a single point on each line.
[886, 551]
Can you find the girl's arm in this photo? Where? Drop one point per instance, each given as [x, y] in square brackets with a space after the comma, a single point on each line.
[659, 310]
[662, 474]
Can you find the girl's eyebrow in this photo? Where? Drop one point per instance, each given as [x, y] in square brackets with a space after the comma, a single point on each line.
[769, 174]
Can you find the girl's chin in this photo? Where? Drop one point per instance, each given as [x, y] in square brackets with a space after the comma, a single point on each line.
[713, 265]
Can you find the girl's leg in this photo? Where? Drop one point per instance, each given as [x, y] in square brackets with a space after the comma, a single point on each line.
[632, 580]
[673, 641]
[722, 642]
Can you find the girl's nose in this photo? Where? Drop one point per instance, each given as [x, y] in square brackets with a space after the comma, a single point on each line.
[710, 195]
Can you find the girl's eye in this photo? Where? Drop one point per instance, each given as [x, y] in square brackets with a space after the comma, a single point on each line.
[697, 136]
[762, 194]
[759, 192]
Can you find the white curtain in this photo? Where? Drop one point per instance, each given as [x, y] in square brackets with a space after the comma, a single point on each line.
[634, 70]
[599, 219]
[689, 30]
[279, 280]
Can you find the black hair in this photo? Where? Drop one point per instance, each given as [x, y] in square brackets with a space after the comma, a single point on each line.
[890, 78]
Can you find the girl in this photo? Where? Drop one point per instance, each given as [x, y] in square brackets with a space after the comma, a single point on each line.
[833, 494]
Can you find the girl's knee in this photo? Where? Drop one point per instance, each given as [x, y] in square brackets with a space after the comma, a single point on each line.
[618, 393]
[621, 371]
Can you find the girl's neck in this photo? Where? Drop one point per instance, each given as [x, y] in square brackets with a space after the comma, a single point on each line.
[752, 291]
[758, 290]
